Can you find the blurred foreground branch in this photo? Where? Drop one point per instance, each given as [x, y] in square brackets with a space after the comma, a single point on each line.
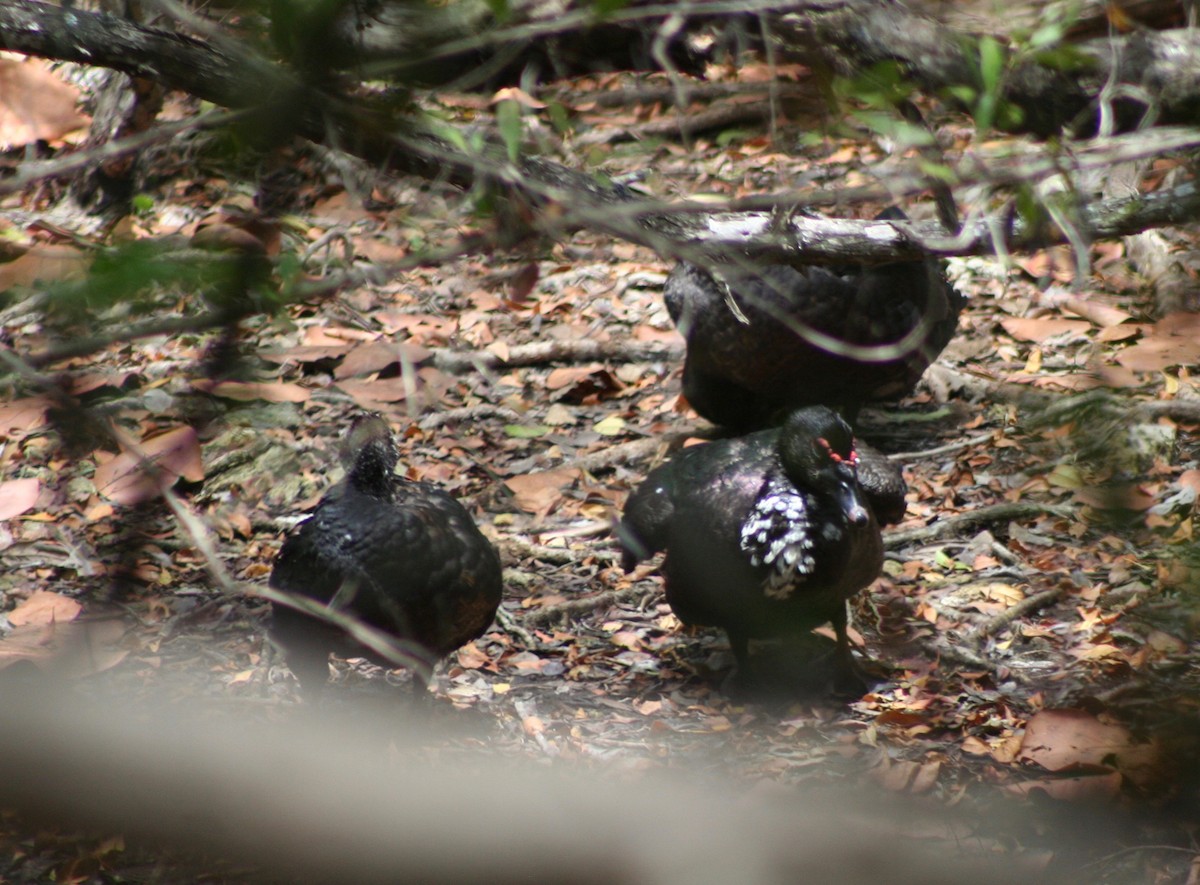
[332, 803]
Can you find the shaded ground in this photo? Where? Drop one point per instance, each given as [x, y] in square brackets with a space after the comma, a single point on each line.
[1045, 651]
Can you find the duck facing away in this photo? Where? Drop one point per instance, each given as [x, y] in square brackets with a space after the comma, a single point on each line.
[766, 535]
[402, 556]
[752, 352]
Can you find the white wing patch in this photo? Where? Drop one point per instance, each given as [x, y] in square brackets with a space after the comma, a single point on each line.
[779, 533]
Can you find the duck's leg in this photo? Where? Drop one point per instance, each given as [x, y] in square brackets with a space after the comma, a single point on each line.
[848, 677]
[740, 683]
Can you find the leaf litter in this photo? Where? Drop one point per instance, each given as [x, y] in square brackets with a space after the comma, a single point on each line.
[1058, 701]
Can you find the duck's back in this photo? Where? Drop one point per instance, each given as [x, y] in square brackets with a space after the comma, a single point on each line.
[410, 561]
[748, 354]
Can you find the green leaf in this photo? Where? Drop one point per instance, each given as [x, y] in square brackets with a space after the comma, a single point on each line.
[1047, 35]
[613, 425]
[526, 431]
[1065, 58]
[560, 118]
[991, 64]
[605, 8]
[508, 120]
[963, 94]
[500, 9]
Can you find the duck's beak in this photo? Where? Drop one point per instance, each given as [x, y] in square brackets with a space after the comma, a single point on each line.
[851, 501]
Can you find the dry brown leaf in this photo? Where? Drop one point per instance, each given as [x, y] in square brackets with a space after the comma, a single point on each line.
[1157, 354]
[1060, 739]
[306, 353]
[1121, 497]
[23, 415]
[67, 650]
[1095, 788]
[648, 708]
[926, 777]
[175, 453]
[1100, 314]
[540, 492]
[1120, 333]
[44, 607]
[533, 725]
[17, 496]
[379, 393]
[1040, 329]
[471, 658]
[45, 264]
[35, 105]
[565, 376]
[1190, 479]
[627, 639]
[374, 356]
[244, 391]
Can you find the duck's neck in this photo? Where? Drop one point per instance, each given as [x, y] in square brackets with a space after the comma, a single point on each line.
[374, 468]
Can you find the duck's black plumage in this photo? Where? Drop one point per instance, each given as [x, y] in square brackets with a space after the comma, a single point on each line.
[766, 535]
[748, 357]
[402, 556]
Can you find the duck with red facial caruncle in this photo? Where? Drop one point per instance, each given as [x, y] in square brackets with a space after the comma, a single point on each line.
[767, 536]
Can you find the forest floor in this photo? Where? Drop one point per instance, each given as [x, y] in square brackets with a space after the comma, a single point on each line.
[1037, 609]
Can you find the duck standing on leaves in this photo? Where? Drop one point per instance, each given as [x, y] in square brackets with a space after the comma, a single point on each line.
[760, 343]
[766, 535]
[400, 555]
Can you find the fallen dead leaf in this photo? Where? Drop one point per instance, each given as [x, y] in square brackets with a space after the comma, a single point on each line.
[67, 650]
[375, 356]
[1058, 740]
[175, 453]
[45, 607]
[44, 264]
[23, 415]
[1098, 313]
[245, 391]
[540, 492]
[1093, 788]
[35, 104]
[1121, 497]
[1040, 329]
[17, 496]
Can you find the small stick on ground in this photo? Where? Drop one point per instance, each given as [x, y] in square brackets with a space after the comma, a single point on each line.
[557, 351]
[566, 610]
[1032, 603]
[950, 525]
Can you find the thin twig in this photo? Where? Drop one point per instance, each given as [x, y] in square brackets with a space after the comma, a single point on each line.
[557, 351]
[624, 453]
[951, 524]
[998, 622]
[508, 623]
[942, 450]
[576, 607]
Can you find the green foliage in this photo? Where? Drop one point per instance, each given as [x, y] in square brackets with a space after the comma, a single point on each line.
[508, 121]
[882, 90]
[985, 97]
[883, 86]
[138, 278]
[606, 8]
[560, 117]
[500, 9]
[521, 431]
